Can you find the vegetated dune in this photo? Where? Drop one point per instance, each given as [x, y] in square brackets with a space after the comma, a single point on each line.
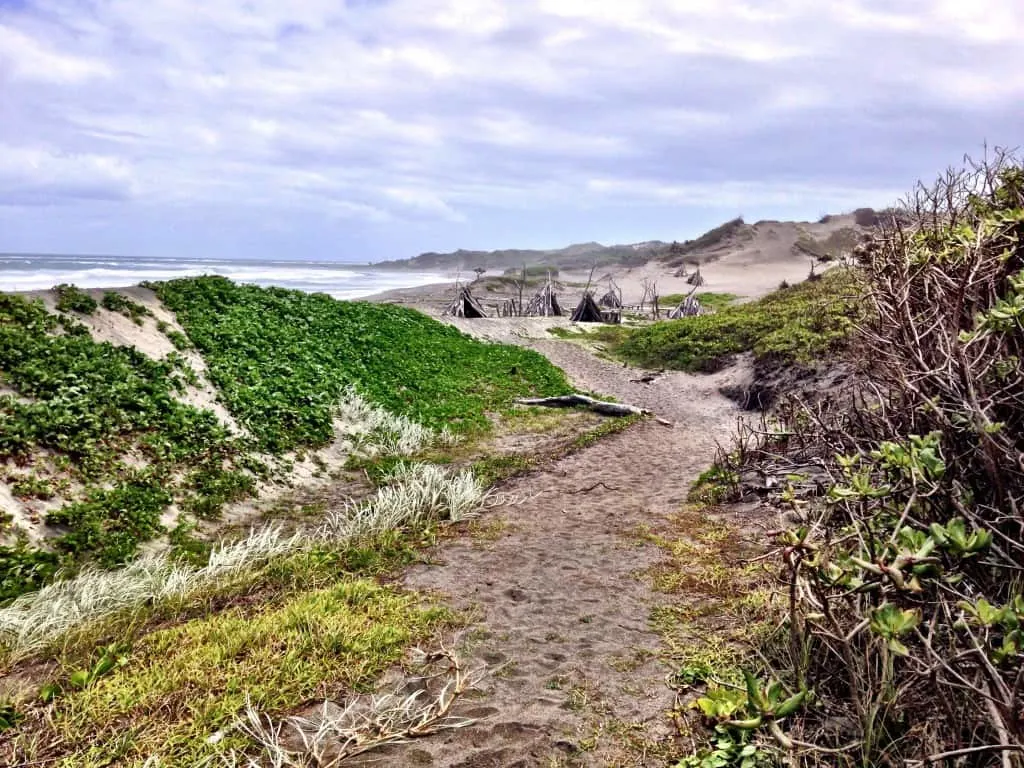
[127, 414]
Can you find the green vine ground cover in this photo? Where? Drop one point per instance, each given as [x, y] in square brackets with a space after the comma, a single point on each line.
[282, 359]
[106, 417]
[109, 421]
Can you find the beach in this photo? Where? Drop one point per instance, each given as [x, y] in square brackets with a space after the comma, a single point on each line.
[342, 280]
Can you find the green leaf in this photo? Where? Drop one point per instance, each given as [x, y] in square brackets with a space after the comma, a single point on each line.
[49, 692]
[791, 705]
[754, 691]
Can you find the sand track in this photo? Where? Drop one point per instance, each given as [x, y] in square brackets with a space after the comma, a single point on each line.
[560, 593]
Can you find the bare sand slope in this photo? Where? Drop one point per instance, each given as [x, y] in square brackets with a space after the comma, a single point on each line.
[748, 264]
[563, 602]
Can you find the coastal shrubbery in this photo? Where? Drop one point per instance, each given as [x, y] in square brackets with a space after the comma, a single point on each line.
[793, 324]
[121, 304]
[103, 418]
[71, 298]
[902, 563]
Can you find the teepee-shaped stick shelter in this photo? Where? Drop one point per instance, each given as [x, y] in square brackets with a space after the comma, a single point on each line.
[611, 300]
[545, 302]
[465, 304]
[696, 278]
[688, 307]
[587, 310]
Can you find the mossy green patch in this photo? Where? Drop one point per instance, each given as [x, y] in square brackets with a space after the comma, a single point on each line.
[181, 685]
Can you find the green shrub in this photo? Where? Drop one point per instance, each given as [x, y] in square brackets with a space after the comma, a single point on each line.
[903, 561]
[23, 569]
[88, 405]
[121, 304]
[109, 525]
[70, 298]
[213, 488]
[178, 339]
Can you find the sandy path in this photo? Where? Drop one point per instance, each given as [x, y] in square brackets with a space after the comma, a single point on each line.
[560, 593]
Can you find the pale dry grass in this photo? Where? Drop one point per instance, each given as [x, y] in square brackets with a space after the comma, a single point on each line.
[336, 732]
[373, 431]
[37, 620]
[414, 494]
[417, 493]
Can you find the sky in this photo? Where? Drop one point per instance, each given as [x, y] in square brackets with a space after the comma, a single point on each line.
[362, 130]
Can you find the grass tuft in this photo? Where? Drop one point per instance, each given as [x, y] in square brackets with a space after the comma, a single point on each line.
[416, 495]
[413, 494]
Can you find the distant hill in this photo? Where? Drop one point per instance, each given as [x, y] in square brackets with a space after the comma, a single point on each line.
[826, 238]
[578, 255]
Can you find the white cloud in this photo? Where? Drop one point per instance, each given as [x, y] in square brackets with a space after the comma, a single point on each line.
[33, 176]
[29, 59]
[738, 193]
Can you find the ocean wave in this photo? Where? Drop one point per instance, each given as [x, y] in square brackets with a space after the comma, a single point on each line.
[342, 282]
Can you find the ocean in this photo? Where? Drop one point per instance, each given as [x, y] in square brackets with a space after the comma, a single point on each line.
[30, 272]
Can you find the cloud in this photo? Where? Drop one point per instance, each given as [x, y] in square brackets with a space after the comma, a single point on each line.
[36, 177]
[465, 118]
[25, 58]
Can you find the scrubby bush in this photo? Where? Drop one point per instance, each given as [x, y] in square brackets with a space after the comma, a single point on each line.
[71, 298]
[903, 564]
[866, 217]
[121, 304]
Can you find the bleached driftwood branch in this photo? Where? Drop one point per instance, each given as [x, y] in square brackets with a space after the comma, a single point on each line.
[598, 406]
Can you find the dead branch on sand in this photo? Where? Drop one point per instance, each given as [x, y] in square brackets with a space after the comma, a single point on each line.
[597, 406]
[589, 488]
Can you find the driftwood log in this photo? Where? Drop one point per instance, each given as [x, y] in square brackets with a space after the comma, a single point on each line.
[597, 406]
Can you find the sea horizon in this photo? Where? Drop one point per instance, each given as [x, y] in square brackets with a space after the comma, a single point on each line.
[340, 279]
